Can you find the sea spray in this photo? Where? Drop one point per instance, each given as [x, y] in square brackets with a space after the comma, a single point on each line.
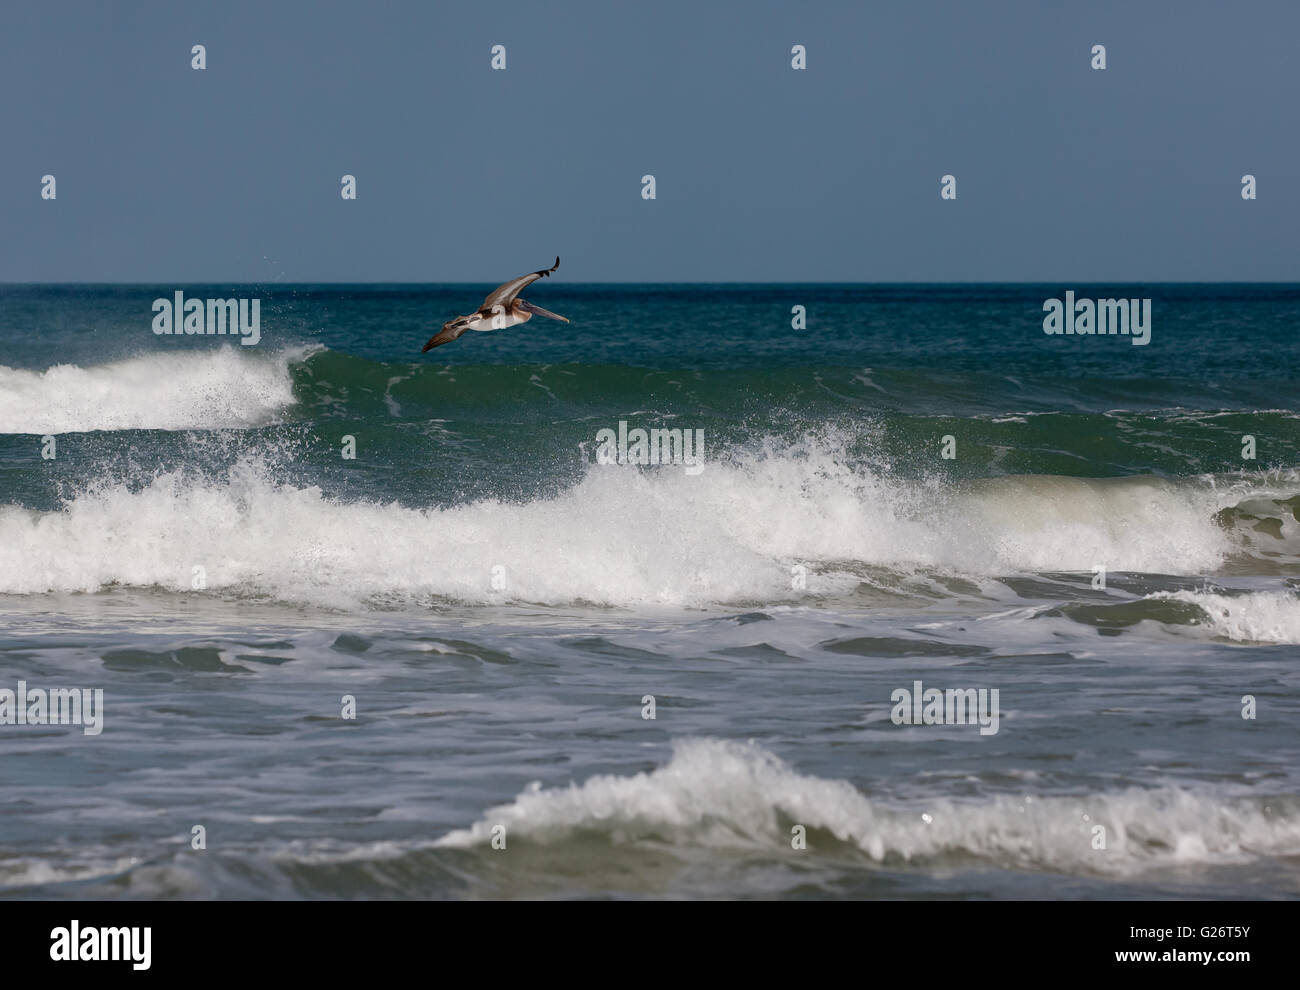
[614, 537]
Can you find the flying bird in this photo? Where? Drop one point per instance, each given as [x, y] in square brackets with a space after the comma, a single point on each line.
[502, 308]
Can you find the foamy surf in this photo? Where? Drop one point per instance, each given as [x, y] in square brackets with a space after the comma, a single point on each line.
[1253, 617]
[191, 390]
[617, 537]
[493, 607]
[733, 795]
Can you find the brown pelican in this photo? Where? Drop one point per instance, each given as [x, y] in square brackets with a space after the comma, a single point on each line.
[502, 308]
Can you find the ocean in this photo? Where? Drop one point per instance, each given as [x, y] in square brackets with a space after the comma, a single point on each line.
[428, 669]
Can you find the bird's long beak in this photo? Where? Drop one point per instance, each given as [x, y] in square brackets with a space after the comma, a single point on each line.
[538, 311]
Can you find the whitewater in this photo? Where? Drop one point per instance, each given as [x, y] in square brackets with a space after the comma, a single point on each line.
[362, 614]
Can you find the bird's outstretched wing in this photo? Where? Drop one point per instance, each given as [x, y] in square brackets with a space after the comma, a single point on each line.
[503, 295]
[446, 335]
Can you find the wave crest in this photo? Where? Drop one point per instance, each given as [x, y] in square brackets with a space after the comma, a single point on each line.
[208, 390]
[728, 794]
[1254, 617]
[619, 536]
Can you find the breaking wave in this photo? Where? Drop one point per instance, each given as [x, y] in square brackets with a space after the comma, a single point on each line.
[728, 794]
[619, 536]
[217, 389]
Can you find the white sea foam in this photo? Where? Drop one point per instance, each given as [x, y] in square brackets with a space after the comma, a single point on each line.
[619, 536]
[28, 871]
[727, 794]
[1254, 617]
[208, 390]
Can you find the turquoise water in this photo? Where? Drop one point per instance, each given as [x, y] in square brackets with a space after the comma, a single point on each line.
[498, 603]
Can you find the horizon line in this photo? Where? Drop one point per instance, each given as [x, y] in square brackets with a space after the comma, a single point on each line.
[987, 282]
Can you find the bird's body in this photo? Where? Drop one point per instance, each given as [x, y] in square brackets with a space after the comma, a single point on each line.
[501, 309]
[500, 320]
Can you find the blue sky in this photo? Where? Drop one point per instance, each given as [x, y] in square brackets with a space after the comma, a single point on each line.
[166, 174]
